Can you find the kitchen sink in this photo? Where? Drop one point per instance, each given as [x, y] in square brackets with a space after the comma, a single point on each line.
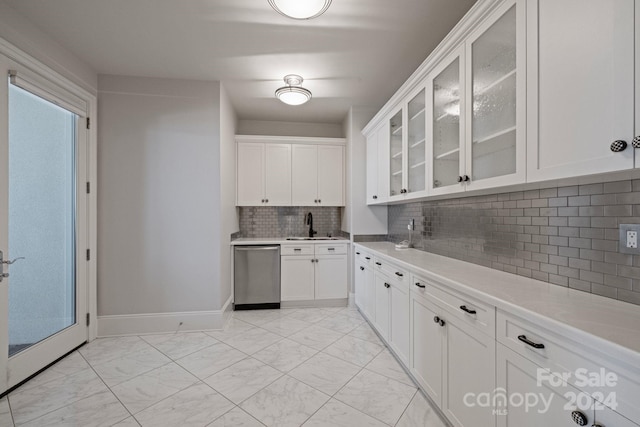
[312, 238]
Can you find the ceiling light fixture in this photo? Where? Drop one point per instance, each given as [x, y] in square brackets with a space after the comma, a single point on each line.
[293, 93]
[300, 9]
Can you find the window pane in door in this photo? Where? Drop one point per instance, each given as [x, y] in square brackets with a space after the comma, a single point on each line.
[42, 205]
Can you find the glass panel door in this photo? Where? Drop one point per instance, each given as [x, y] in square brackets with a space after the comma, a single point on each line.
[43, 225]
[396, 154]
[42, 206]
[446, 126]
[493, 140]
[416, 144]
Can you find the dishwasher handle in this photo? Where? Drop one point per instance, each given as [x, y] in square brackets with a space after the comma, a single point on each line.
[257, 248]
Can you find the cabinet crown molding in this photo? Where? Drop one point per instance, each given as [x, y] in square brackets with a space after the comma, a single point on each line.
[302, 140]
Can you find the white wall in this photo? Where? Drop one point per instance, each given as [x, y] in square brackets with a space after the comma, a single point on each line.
[228, 210]
[23, 34]
[159, 206]
[274, 128]
[358, 218]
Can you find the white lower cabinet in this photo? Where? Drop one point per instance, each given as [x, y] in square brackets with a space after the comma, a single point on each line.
[370, 294]
[381, 321]
[452, 361]
[426, 354]
[297, 278]
[331, 277]
[523, 401]
[307, 273]
[359, 283]
[399, 327]
[485, 368]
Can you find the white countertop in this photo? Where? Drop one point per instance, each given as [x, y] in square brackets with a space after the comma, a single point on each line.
[282, 241]
[615, 324]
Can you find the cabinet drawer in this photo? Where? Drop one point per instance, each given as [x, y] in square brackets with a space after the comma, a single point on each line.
[561, 356]
[296, 250]
[471, 311]
[329, 249]
[363, 256]
[399, 275]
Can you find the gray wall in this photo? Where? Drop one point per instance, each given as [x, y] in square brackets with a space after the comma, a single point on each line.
[159, 206]
[29, 38]
[565, 235]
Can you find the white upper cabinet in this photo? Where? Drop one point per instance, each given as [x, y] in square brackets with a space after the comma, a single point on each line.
[445, 90]
[495, 91]
[264, 174]
[377, 165]
[416, 146]
[305, 175]
[318, 175]
[406, 152]
[330, 175]
[250, 174]
[286, 171]
[277, 181]
[396, 156]
[580, 86]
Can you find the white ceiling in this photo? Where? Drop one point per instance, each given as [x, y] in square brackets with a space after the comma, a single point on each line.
[358, 53]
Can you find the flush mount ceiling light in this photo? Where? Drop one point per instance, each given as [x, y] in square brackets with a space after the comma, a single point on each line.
[293, 93]
[300, 9]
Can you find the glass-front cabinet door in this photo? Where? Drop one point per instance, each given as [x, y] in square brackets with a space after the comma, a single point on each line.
[396, 155]
[495, 67]
[416, 152]
[446, 128]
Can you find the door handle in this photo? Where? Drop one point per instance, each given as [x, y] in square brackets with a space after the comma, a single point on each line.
[7, 262]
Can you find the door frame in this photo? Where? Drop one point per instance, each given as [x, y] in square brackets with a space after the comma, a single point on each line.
[15, 58]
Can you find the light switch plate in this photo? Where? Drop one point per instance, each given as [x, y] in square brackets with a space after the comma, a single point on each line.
[626, 234]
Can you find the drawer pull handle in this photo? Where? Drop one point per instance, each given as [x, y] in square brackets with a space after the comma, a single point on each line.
[386, 285]
[357, 253]
[377, 263]
[297, 249]
[420, 285]
[524, 339]
[367, 258]
[438, 321]
[399, 274]
[331, 249]
[466, 310]
[362, 268]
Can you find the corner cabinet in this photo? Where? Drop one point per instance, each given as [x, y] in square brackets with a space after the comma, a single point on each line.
[290, 171]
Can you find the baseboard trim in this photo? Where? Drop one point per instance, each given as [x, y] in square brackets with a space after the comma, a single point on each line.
[159, 323]
[352, 299]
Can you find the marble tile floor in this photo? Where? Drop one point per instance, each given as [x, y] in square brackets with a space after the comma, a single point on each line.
[290, 367]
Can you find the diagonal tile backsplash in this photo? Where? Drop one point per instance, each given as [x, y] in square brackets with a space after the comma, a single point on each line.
[565, 235]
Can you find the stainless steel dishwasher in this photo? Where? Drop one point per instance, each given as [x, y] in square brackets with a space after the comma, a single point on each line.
[256, 277]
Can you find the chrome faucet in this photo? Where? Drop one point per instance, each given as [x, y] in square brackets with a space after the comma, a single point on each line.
[309, 221]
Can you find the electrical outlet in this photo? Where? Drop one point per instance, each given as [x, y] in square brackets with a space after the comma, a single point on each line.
[629, 238]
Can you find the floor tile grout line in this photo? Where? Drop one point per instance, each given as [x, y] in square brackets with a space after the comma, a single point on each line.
[13, 421]
[63, 406]
[407, 407]
[234, 407]
[109, 388]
